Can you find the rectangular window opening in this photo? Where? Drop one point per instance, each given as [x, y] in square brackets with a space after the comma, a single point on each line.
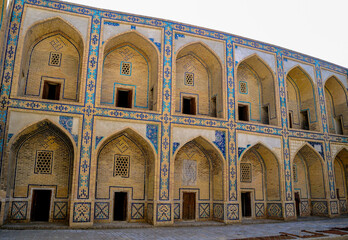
[304, 120]
[189, 106]
[243, 113]
[265, 115]
[124, 98]
[51, 91]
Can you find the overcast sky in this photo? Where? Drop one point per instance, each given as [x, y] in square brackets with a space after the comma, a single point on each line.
[314, 27]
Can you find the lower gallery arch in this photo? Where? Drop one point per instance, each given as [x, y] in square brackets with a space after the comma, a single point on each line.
[198, 182]
[40, 174]
[260, 184]
[340, 166]
[309, 186]
[125, 179]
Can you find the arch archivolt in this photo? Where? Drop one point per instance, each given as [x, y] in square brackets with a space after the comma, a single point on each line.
[199, 168]
[40, 157]
[260, 177]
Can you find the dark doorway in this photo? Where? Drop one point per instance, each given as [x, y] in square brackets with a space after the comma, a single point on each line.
[243, 113]
[41, 203]
[338, 125]
[189, 206]
[265, 115]
[51, 91]
[189, 106]
[297, 202]
[213, 107]
[304, 120]
[246, 204]
[124, 98]
[120, 206]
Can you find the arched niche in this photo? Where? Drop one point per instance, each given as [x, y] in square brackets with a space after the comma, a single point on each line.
[255, 90]
[309, 182]
[198, 81]
[125, 165]
[198, 181]
[301, 100]
[51, 61]
[260, 183]
[336, 106]
[341, 174]
[130, 73]
[40, 164]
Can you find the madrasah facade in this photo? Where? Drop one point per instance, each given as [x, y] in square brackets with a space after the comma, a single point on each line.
[109, 116]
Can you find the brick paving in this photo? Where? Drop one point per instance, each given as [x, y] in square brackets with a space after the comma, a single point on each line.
[309, 229]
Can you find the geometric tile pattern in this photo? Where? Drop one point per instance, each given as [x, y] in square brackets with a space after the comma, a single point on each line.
[152, 134]
[218, 210]
[66, 122]
[82, 212]
[259, 209]
[138, 210]
[233, 211]
[176, 210]
[204, 210]
[289, 210]
[274, 209]
[343, 206]
[305, 211]
[334, 207]
[220, 141]
[164, 212]
[319, 208]
[60, 210]
[19, 210]
[101, 210]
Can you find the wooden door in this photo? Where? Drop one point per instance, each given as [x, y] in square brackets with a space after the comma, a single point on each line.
[189, 206]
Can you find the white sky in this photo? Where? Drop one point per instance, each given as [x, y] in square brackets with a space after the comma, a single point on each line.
[314, 27]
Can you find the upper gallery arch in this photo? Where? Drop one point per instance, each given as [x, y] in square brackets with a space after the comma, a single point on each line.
[130, 72]
[198, 81]
[51, 60]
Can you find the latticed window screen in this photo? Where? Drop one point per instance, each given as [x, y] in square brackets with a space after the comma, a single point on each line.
[43, 163]
[189, 79]
[55, 59]
[121, 166]
[126, 68]
[243, 87]
[245, 172]
[294, 172]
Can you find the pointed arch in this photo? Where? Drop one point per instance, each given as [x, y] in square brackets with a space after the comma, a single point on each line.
[126, 164]
[301, 99]
[130, 56]
[199, 76]
[270, 168]
[199, 168]
[340, 171]
[337, 105]
[41, 156]
[254, 76]
[52, 52]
